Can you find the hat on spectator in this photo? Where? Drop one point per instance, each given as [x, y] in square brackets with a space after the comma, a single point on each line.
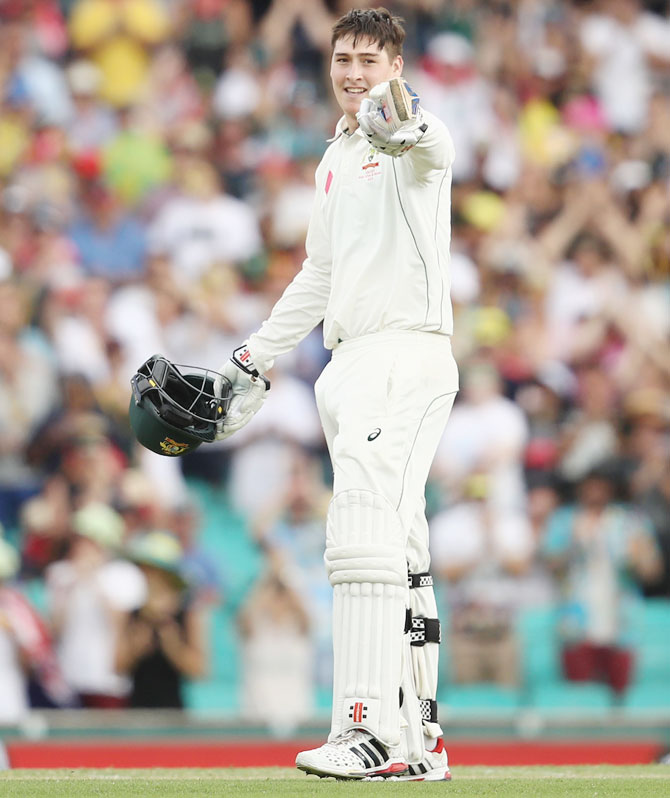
[450, 48]
[84, 77]
[100, 523]
[158, 549]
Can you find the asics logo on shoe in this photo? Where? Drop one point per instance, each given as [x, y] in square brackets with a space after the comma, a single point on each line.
[374, 434]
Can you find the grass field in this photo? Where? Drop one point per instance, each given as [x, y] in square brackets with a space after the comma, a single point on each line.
[513, 782]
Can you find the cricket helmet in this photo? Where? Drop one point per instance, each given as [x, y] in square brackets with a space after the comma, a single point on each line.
[174, 408]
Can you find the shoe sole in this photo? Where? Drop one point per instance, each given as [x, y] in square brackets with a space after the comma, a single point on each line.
[439, 774]
[395, 771]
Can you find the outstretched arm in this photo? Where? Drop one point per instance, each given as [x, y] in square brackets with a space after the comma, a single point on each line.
[393, 121]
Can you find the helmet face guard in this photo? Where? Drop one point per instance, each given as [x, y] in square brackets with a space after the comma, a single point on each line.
[174, 408]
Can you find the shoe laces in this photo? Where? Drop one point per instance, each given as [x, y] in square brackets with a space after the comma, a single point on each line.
[346, 736]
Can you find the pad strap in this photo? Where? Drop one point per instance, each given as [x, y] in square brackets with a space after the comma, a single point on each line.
[425, 630]
[419, 580]
[428, 710]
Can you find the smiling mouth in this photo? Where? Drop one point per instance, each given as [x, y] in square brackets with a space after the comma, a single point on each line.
[355, 91]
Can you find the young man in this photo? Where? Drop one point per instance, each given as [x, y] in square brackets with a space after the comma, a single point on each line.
[377, 274]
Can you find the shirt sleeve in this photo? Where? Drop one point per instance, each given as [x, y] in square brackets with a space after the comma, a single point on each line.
[435, 151]
[303, 304]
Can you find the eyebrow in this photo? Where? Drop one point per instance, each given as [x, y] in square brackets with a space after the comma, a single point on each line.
[366, 55]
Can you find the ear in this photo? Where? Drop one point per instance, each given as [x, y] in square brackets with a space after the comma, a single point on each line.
[397, 65]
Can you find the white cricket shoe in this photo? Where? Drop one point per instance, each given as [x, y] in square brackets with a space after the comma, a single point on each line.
[433, 767]
[354, 754]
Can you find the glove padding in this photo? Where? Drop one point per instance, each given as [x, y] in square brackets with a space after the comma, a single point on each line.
[249, 389]
[390, 117]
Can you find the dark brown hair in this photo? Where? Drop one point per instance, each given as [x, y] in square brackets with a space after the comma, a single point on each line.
[377, 24]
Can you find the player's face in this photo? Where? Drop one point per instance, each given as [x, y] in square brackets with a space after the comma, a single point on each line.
[355, 69]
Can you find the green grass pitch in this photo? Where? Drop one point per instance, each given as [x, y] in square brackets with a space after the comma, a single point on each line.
[502, 782]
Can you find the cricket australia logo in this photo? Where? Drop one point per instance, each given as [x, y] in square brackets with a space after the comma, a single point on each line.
[371, 167]
[171, 447]
[358, 712]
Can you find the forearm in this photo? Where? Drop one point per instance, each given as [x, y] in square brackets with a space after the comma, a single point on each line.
[435, 150]
[298, 311]
[186, 649]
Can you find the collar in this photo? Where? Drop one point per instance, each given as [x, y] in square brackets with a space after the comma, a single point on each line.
[341, 129]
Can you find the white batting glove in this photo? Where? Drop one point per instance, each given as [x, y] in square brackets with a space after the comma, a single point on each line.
[390, 117]
[249, 389]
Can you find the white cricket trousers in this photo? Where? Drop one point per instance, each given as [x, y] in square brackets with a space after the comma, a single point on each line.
[384, 400]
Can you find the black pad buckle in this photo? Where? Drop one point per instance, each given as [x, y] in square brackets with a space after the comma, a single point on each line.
[425, 630]
[420, 580]
[428, 709]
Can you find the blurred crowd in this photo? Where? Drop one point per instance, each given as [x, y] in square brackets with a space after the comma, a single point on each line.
[156, 180]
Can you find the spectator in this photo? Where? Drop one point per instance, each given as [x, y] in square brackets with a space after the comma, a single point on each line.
[92, 123]
[25, 650]
[277, 654]
[110, 243]
[602, 552]
[292, 532]
[162, 642]
[204, 227]
[485, 436]
[484, 573]
[118, 36]
[86, 593]
[25, 361]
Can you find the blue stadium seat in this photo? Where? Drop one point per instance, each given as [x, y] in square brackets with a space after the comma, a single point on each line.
[214, 697]
[562, 697]
[653, 642]
[651, 696]
[540, 647]
[481, 698]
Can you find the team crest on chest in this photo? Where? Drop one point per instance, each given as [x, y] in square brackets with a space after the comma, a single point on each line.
[371, 166]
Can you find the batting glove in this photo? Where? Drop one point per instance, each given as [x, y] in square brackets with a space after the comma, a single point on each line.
[391, 119]
[249, 389]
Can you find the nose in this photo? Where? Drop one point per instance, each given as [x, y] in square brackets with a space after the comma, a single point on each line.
[354, 71]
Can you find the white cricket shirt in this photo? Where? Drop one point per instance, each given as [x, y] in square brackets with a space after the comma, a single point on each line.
[377, 246]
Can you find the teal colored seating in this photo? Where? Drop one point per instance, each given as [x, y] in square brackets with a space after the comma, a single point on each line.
[481, 698]
[539, 646]
[225, 537]
[214, 697]
[652, 663]
[571, 697]
[650, 696]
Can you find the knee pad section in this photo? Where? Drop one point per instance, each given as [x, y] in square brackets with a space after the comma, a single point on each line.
[364, 540]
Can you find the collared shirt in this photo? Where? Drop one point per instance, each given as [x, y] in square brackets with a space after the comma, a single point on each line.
[377, 246]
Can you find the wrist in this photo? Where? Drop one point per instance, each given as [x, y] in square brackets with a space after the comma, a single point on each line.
[242, 358]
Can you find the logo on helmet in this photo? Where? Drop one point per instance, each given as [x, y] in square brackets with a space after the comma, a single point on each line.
[171, 447]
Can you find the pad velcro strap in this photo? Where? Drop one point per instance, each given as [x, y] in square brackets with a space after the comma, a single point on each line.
[428, 707]
[420, 580]
[424, 630]
[408, 620]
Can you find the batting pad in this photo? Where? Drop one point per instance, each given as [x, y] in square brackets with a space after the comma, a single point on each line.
[424, 649]
[365, 558]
